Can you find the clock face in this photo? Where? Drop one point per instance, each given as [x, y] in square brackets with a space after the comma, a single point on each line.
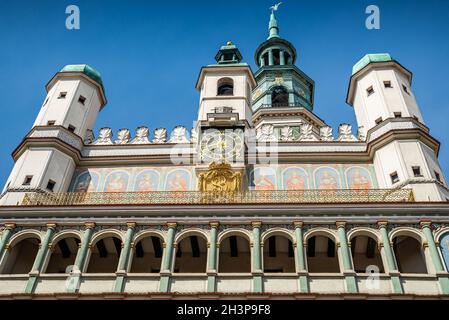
[222, 145]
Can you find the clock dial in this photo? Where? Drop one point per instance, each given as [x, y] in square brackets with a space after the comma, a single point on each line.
[222, 145]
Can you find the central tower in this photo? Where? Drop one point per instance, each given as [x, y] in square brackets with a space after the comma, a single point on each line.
[280, 82]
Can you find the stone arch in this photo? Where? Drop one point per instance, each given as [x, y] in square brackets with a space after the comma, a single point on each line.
[235, 232]
[278, 255]
[190, 254]
[107, 233]
[23, 248]
[365, 252]
[146, 256]
[408, 250]
[321, 251]
[234, 251]
[64, 248]
[104, 251]
[19, 236]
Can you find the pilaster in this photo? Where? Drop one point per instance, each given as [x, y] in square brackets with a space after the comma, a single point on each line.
[257, 262]
[301, 257]
[124, 257]
[392, 267]
[38, 261]
[349, 273]
[167, 258]
[443, 276]
[212, 258]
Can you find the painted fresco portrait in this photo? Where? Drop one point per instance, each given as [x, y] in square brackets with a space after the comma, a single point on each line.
[264, 179]
[116, 182]
[178, 180]
[327, 179]
[358, 178]
[146, 181]
[86, 182]
[294, 179]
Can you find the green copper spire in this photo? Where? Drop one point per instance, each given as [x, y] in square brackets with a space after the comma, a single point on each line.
[273, 27]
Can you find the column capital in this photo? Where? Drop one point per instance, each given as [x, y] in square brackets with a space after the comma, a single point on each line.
[172, 225]
[382, 224]
[256, 224]
[131, 225]
[10, 226]
[340, 224]
[51, 226]
[298, 224]
[214, 224]
[425, 224]
[89, 225]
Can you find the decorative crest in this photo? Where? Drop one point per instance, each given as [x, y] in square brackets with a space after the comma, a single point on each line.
[220, 178]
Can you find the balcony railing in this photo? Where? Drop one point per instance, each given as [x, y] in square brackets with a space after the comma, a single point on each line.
[281, 105]
[202, 198]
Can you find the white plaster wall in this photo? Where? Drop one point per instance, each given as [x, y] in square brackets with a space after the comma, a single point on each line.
[234, 283]
[284, 284]
[384, 102]
[382, 285]
[51, 285]
[327, 284]
[188, 283]
[423, 285]
[97, 284]
[387, 160]
[13, 284]
[142, 284]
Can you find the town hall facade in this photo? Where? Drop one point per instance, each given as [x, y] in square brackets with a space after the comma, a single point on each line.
[260, 198]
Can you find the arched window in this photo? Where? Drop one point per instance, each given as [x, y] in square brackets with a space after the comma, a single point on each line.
[21, 257]
[365, 252]
[409, 255]
[322, 255]
[225, 87]
[191, 255]
[234, 255]
[63, 255]
[105, 255]
[279, 97]
[147, 255]
[278, 255]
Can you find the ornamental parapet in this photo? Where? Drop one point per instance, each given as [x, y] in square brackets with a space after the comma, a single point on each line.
[205, 198]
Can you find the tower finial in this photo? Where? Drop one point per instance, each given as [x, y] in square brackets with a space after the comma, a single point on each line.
[273, 27]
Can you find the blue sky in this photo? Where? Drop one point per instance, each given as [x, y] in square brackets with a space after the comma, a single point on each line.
[150, 53]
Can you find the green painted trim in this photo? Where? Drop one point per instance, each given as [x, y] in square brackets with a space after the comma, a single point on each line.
[257, 263]
[31, 284]
[395, 280]
[38, 261]
[86, 69]
[167, 257]
[164, 284]
[367, 59]
[351, 284]
[4, 240]
[119, 285]
[444, 284]
[344, 249]
[304, 284]
[257, 284]
[211, 284]
[212, 263]
[82, 252]
[397, 284]
[438, 264]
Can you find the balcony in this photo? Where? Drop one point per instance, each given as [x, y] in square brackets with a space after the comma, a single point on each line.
[214, 198]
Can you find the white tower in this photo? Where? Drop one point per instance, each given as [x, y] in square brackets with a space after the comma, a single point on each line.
[404, 153]
[226, 87]
[46, 158]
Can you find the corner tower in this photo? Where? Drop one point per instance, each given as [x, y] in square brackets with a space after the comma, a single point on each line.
[46, 158]
[405, 155]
